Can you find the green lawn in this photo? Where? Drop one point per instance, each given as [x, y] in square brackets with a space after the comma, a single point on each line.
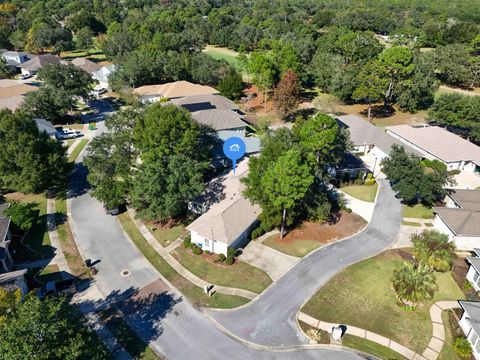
[77, 150]
[93, 54]
[239, 275]
[221, 53]
[362, 192]
[447, 352]
[166, 236]
[130, 341]
[411, 223]
[37, 238]
[370, 347]
[418, 211]
[298, 248]
[192, 292]
[362, 295]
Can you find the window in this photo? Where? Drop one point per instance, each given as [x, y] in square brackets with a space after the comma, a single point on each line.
[473, 338]
[477, 347]
[475, 276]
[207, 243]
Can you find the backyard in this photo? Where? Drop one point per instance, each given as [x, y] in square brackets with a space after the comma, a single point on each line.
[362, 295]
[309, 236]
[362, 192]
[240, 274]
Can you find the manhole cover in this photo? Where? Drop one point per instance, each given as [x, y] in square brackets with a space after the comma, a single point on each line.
[125, 273]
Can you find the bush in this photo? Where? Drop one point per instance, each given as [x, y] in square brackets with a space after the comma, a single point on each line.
[434, 164]
[454, 172]
[207, 252]
[257, 232]
[187, 242]
[467, 285]
[462, 347]
[23, 216]
[231, 252]
[369, 181]
[220, 258]
[229, 260]
[196, 250]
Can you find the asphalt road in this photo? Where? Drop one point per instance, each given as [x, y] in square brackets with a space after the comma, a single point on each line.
[270, 320]
[175, 327]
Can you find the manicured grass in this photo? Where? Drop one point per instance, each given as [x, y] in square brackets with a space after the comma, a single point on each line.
[130, 341]
[75, 126]
[69, 247]
[37, 238]
[50, 273]
[166, 236]
[221, 53]
[362, 192]
[192, 292]
[78, 149]
[239, 275]
[298, 248]
[362, 295]
[418, 211]
[411, 223]
[93, 54]
[447, 352]
[370, 347]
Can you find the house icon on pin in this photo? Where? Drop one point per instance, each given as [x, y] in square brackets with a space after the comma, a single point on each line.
[234, 148]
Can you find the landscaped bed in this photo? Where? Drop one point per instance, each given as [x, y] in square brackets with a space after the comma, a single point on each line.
[309, 236]
[238, 275]
[362, 192]
[362, 295]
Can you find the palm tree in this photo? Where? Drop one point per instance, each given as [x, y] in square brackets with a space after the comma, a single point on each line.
[414, 283]
[434, 250]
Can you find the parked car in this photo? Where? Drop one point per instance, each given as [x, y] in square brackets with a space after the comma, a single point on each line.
[115, 210]
[100, 91]
[25, 76]
[68, 287]
[64, 134]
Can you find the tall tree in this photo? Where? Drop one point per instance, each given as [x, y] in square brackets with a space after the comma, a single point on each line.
[67, 79]
[433, 249]
[287, 93]
[371, 85]
[263, 69]
[414, 284]
[84, 39]
[6, 72]
[231, 85]
[285, 183]
[47, 103]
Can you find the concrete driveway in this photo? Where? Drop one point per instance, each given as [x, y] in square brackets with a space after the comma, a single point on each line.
[273, 262]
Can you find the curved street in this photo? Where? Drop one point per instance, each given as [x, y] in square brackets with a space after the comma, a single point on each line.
[177, 329]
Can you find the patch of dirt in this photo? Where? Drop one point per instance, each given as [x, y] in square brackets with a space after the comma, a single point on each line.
[255, 107]
[459, 274]
[347, 225]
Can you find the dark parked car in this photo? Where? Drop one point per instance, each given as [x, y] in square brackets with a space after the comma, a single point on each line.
[69, 287]
[115, 210]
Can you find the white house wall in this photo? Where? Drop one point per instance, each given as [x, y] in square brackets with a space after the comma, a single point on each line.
[439, 224]
[471, 278]
[469, 334]
[205, 244]
[467, 243]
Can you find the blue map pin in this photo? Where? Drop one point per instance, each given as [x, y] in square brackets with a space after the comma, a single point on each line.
[234, 149]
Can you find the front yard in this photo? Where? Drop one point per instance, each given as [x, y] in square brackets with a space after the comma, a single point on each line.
[418, 211]
[362, 295]
[309, 236]
[362, 192]
[166, 235]
[239, 275]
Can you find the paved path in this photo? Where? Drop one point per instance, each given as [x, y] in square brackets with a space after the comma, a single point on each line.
[273, 262]
[360, 207]
[432, 351]
[271, 318]
[179, 267]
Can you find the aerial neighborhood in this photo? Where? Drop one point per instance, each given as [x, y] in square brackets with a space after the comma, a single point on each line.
[285, 179]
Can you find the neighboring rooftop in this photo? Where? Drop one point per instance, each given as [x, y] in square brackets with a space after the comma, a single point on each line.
[219, 119]
[37, 62]
[475, 261]
[45, 126]
[472, 308]
[460, 221]
[364, 133]
[438, 142]
[252, 143]
[86, 65]
[8, 280]
[174, 90]
[12, 93]
[229, 213]
[205, 102]
[466, 199]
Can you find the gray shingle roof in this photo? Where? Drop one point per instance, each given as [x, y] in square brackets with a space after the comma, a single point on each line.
[460, 221]
[472, 308]
[219, 119]
[252, 144]
[205, 102]
[45, 126]
[466, 199]
[37, 62]
[475, 261]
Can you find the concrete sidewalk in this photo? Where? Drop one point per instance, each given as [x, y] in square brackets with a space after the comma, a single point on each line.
[359, 207]
[163, 252]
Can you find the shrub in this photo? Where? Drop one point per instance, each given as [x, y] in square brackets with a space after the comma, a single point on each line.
[187, 242]
[220, 258]
[196, 250]
[454, 172]
[207, 252]
[229, 260]
[467, 285]
[462, 347]
[24, 216]
[347, 210]
[369, 181]
[231, 252]
[257, 232]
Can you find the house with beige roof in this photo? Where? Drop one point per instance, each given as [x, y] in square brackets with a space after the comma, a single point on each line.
[172, 90]
[436, 143]
[227, 217]
[86, 65]
[460, 218]
[12, 93]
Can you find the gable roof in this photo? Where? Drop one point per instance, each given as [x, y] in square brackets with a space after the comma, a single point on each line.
[219, 119]
[205, 102]
[252, 143]
[472, 308]
[460, 221]
[475, 262]
[228, 218]
[9, 280]
[86, 65]
[37, 62]
[364, 133]
[45, 126]
[466, 199]
[438, 142]
[174, 89]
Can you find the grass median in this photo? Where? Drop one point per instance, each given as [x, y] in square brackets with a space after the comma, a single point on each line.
[78, 149]
[192, 292]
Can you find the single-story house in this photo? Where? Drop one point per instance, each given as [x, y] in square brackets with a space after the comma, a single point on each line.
[227, 216]
[32, 66]
[206, 102]
[12, 93]
[46, 127]
[102, 76]
[436, 143]
[460, 219]
[173, 90]
[13, 280]
[473, 274]
[6, 261]
[221, 120]
[15, 58]
[86, 65]
[470, 324]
